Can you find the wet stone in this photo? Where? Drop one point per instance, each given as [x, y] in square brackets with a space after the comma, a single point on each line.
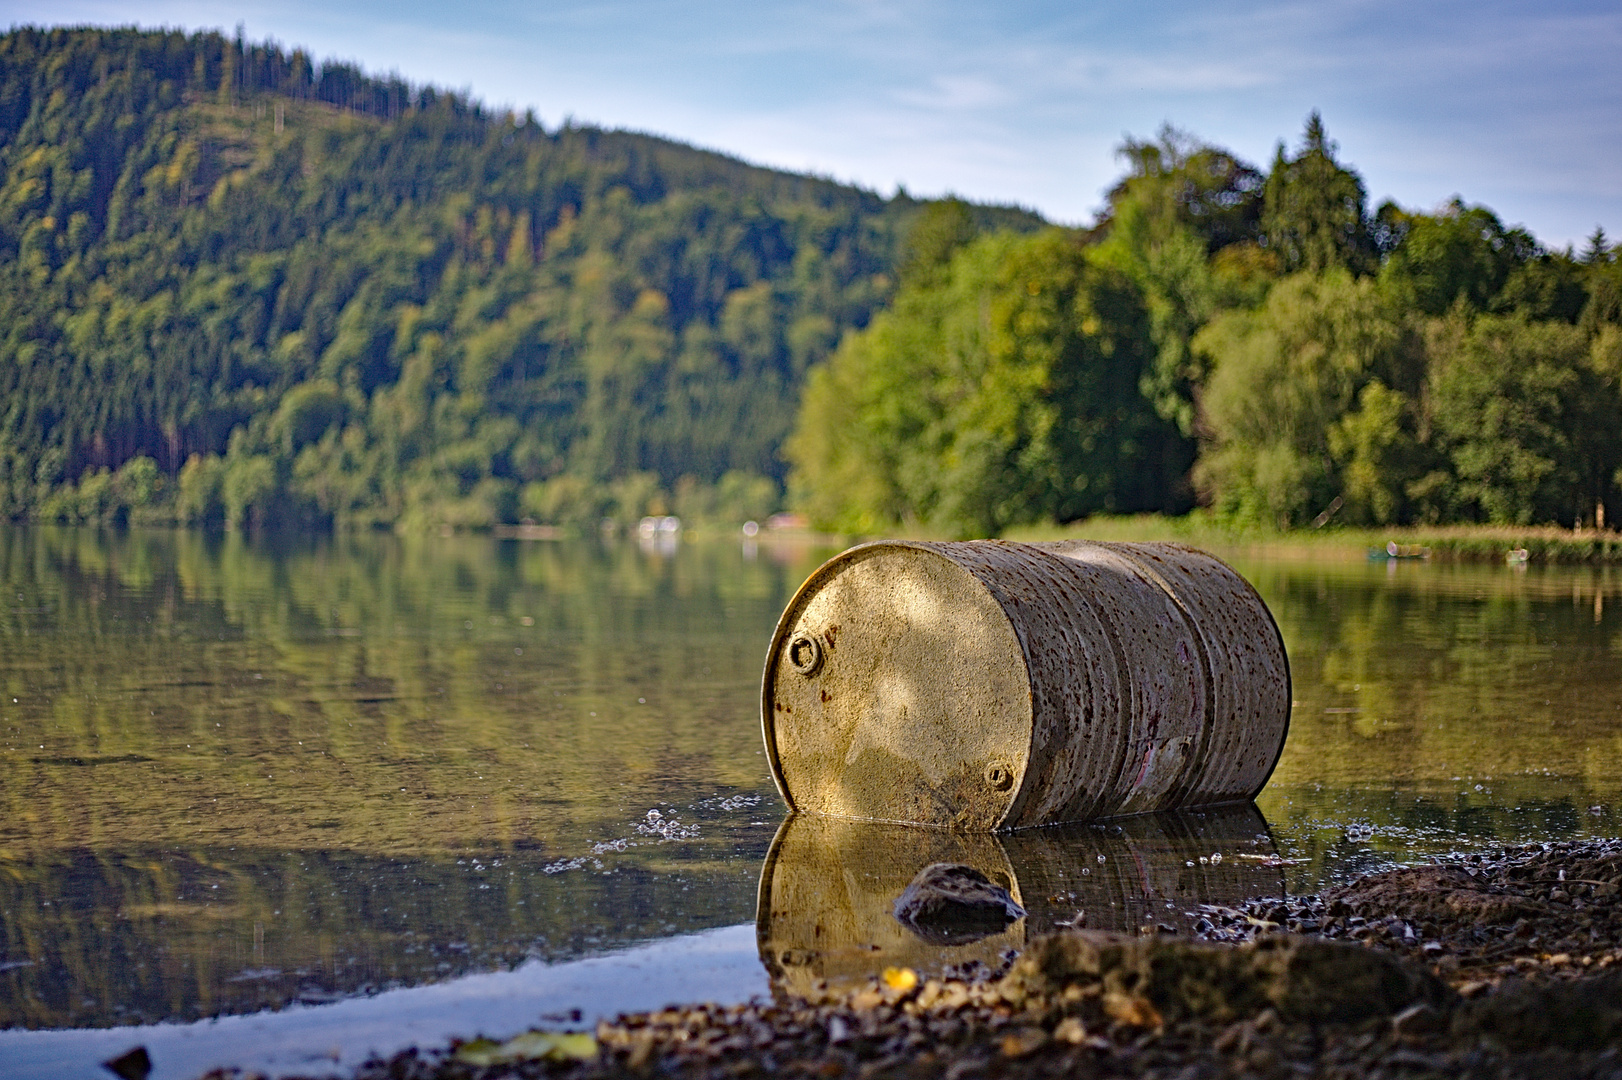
[950, 904]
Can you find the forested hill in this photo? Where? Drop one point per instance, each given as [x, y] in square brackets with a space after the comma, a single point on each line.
[241, 285]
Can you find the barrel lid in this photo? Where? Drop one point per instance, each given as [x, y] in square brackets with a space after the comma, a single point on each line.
[896, 689]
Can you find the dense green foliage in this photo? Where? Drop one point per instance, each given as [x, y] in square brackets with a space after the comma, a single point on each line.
[243, 286]
[1325, 363]
[1444, 368]
[1001, 388]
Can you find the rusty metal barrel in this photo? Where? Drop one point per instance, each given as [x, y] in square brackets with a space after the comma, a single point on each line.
[987, 685]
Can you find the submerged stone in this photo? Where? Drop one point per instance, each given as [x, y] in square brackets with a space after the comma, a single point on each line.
[950, 904]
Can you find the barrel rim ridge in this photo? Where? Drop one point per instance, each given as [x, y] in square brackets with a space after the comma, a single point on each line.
[1289, 679]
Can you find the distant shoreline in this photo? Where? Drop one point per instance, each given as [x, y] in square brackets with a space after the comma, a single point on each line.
[1511, 544]
[1542, 544]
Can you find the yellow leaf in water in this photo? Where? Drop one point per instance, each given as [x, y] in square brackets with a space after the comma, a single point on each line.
[478, 1052]
[902, 979]
[530, 1046]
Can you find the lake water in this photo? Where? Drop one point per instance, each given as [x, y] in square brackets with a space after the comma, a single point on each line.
[339, 785]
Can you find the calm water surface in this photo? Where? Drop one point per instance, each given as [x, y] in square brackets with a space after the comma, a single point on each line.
[238, 775]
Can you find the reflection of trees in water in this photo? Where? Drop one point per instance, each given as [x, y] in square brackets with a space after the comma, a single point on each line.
[92, 939]
[1415, 684]
[1450, 670]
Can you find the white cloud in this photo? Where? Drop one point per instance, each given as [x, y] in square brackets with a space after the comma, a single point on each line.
[953, 92]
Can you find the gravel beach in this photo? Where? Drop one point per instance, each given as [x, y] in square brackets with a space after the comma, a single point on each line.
[1499, 964]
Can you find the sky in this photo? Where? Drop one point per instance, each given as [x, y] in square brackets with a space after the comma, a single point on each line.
[1517, 106]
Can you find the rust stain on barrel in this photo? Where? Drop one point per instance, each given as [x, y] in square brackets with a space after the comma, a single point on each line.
[988, 685]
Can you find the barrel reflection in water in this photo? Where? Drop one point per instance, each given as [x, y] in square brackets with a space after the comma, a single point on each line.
[826, 909]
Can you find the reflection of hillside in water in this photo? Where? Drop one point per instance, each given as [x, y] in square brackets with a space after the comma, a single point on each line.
[90, 940]
[367, 693]
[828, 887]
[236, 774]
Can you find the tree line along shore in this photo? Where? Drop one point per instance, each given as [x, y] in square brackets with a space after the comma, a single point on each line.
[251, 290]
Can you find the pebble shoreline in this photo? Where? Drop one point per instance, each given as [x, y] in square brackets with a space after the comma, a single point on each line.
[1507, 964]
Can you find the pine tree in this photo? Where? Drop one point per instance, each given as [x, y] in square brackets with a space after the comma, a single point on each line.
[1314, 210]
